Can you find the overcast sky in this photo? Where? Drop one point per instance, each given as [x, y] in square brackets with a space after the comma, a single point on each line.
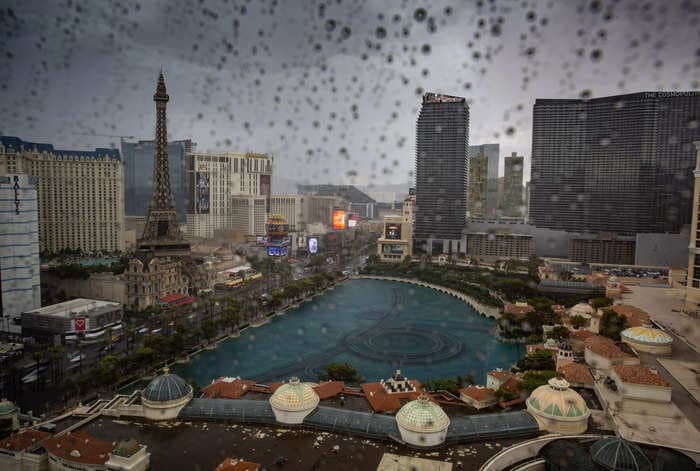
[331, 89]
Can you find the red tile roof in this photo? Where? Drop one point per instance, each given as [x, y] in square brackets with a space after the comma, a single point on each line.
[79, 447]
[479, 393]
[576, 373]
[637, 374]
[329, 389]
[559, 309]
[500, 374]
[172, 297]
[518, 309]
[381, 401]
[604, 347]
[635, 317]
[23, 440]
[512, 385]
[581, 334]
[228, 388]
[233, 464]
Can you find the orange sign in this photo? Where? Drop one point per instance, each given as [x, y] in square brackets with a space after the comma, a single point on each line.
[338, 219]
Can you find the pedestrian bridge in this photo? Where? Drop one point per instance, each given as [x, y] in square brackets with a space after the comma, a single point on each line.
[465, 428]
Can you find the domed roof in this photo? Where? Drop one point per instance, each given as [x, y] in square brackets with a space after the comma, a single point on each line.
[616, 454]
[166, 387]
[582, 309]
[422, 415]
[7, 407]
[294, 396]
[556, 400]
[276, 219]
[646, 334]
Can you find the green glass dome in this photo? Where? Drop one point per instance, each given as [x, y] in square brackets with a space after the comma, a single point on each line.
[166, 387]
[7, 407]
[422, 415]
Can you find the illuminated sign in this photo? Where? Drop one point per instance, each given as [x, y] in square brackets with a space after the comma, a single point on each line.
[338, 219]
[313, 245]
[392, 231]
[79, 324]
[353, 220]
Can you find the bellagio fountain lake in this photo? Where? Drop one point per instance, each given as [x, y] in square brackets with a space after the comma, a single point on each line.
[376, 326]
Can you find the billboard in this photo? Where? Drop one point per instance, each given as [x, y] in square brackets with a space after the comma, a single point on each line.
[338, 219]
[392, 231]
[394, 249]
[261, 240]
[201, 196]
[313, 245]
[353, 220]
[277, 251]
[79, 324]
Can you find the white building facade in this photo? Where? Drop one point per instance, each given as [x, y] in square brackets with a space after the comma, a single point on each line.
[80, 194]
[214, 180]
[19, 249]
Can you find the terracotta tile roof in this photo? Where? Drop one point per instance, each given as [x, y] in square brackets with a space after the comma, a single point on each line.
[479, 393]
[519, 309]
[500, 374]
[381, 401]
[22, 440]
[640, 375]
[604, 347]
[79, 447]
[581, 334]
[228, 388]
[635, 317]
[533, 347]
[234, 464]
[273, 386]
[512, 385]
[576, 373]
[329, 389]
[172, 297]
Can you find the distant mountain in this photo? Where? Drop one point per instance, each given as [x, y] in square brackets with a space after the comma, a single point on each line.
[387, 193]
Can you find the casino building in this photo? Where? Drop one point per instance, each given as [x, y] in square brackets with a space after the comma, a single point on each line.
[396, 242]
[277, 230]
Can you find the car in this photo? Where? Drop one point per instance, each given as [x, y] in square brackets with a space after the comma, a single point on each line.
[143, 331]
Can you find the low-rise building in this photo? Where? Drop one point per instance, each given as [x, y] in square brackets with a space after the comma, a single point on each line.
[495, 245]
[149, 278]
[9, 417]
[129, 455]
[165, 396]
[635, 316]
[422, 423]
[578, 375]
[479, 397]
[558, 409]
[648, 339]
[75, 320]
[603, 353]
[24, 451]
[396, 242]
[518, 309]
[237, 464]
[77, 451]
[639, 382]
[293, 401]
[496, 378]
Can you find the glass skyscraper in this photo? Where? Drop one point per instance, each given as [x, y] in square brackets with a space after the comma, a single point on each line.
[620, 164]
[138, 175]
[442, 168]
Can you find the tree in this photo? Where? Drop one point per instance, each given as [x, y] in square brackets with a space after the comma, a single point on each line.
[108, 369]
[577, 321]
[341, 372]
[611, 324]
[560, 332]
[538, 360]
[600, 302]
[531, 380]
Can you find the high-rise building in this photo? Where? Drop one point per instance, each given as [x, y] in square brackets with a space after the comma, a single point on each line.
[213, 179]
[692, 296]
[618, 164]
[294, 208]
[80, 194]
[513, 186]
[478, 183]
[138, 174]
[442, 172]
[486, 157]
[20, 289]
[249, 214]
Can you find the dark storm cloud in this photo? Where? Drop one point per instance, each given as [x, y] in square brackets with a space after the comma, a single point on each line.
[330, 88]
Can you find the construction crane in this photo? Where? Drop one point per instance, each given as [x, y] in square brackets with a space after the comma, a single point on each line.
[121, 138]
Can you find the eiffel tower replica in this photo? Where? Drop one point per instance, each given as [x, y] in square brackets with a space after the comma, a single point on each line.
[161, 234]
